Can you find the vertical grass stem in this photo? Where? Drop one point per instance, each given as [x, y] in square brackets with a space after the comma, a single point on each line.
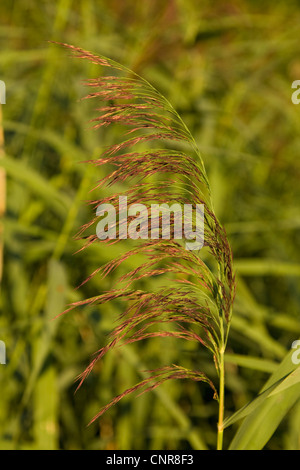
[2, 194]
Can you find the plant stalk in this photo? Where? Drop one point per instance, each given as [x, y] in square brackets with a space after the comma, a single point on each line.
[221, 401]
[2, 194]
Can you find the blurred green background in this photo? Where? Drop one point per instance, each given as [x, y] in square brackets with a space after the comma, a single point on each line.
[227, 68]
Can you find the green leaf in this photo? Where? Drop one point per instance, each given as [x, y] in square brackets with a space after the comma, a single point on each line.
[56, 294]
[266, 267]
[46, 411]
[249, 407]
[264, 414]
[292, 379]
[58, 201]
[250, 362]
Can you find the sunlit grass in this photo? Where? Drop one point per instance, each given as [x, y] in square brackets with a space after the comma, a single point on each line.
[228, 70]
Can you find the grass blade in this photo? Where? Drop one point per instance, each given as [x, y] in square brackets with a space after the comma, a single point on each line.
[264, 414]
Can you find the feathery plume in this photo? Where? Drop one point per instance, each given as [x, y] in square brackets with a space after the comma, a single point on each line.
[159, 161]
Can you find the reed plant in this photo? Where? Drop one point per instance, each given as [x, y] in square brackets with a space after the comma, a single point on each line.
[196, 305]
[156, 159]
[228, 73]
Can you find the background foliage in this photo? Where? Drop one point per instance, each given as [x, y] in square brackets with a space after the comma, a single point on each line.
[227, 68]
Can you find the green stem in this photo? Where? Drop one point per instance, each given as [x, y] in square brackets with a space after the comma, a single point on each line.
[221, 402]
[2, 194]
